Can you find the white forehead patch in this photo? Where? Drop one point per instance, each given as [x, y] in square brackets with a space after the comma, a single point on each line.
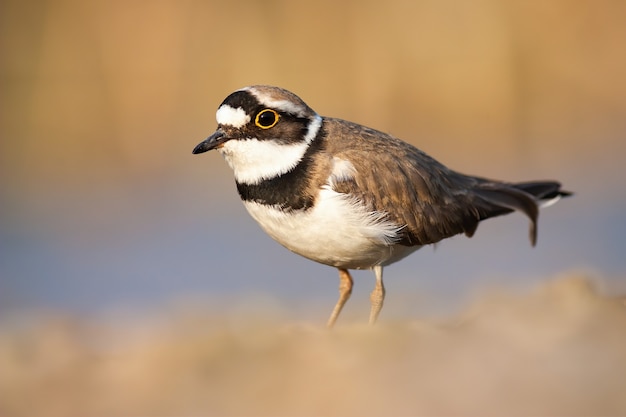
[227, 115]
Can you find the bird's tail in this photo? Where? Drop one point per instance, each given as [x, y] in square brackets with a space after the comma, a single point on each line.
[496, 198]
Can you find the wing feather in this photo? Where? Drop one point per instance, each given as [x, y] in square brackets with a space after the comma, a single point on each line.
[416, 191]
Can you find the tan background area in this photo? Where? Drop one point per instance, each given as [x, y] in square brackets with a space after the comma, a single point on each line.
[132, 282]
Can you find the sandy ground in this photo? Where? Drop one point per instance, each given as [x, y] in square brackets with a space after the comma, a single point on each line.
[558, 350]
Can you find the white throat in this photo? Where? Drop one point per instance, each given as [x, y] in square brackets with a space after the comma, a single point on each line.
[253, 160]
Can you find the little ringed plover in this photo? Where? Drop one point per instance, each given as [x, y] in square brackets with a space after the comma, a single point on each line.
[349, 196]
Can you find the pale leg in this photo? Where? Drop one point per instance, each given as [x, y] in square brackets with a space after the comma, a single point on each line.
[378, 295]
[345, 289]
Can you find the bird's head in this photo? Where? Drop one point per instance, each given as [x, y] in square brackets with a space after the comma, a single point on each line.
[262, 132]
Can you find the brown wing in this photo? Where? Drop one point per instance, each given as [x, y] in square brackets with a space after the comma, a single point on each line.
[415, 190]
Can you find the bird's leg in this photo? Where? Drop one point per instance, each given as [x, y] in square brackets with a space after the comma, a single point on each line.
[345, 289]
[378, 295]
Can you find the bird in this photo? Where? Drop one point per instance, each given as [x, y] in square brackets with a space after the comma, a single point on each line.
[349, 196]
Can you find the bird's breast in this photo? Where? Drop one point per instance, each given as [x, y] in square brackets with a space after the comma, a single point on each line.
[337, 230]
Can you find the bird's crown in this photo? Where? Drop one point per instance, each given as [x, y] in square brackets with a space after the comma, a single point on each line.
[264, 112]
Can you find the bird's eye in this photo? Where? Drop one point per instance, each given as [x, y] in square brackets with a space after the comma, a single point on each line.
[266, 118]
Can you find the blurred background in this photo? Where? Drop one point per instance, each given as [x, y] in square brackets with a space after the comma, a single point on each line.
[112, 232]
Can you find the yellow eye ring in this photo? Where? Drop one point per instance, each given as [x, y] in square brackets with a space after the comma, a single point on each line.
[266, 118]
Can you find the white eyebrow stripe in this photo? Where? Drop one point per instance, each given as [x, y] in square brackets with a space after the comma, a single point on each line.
[236, 117]
[284, 105]
[280, 105]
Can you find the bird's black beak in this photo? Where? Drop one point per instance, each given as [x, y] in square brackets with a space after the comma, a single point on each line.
[212, 142]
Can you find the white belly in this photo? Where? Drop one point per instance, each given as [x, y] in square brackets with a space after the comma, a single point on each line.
[337, 231]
